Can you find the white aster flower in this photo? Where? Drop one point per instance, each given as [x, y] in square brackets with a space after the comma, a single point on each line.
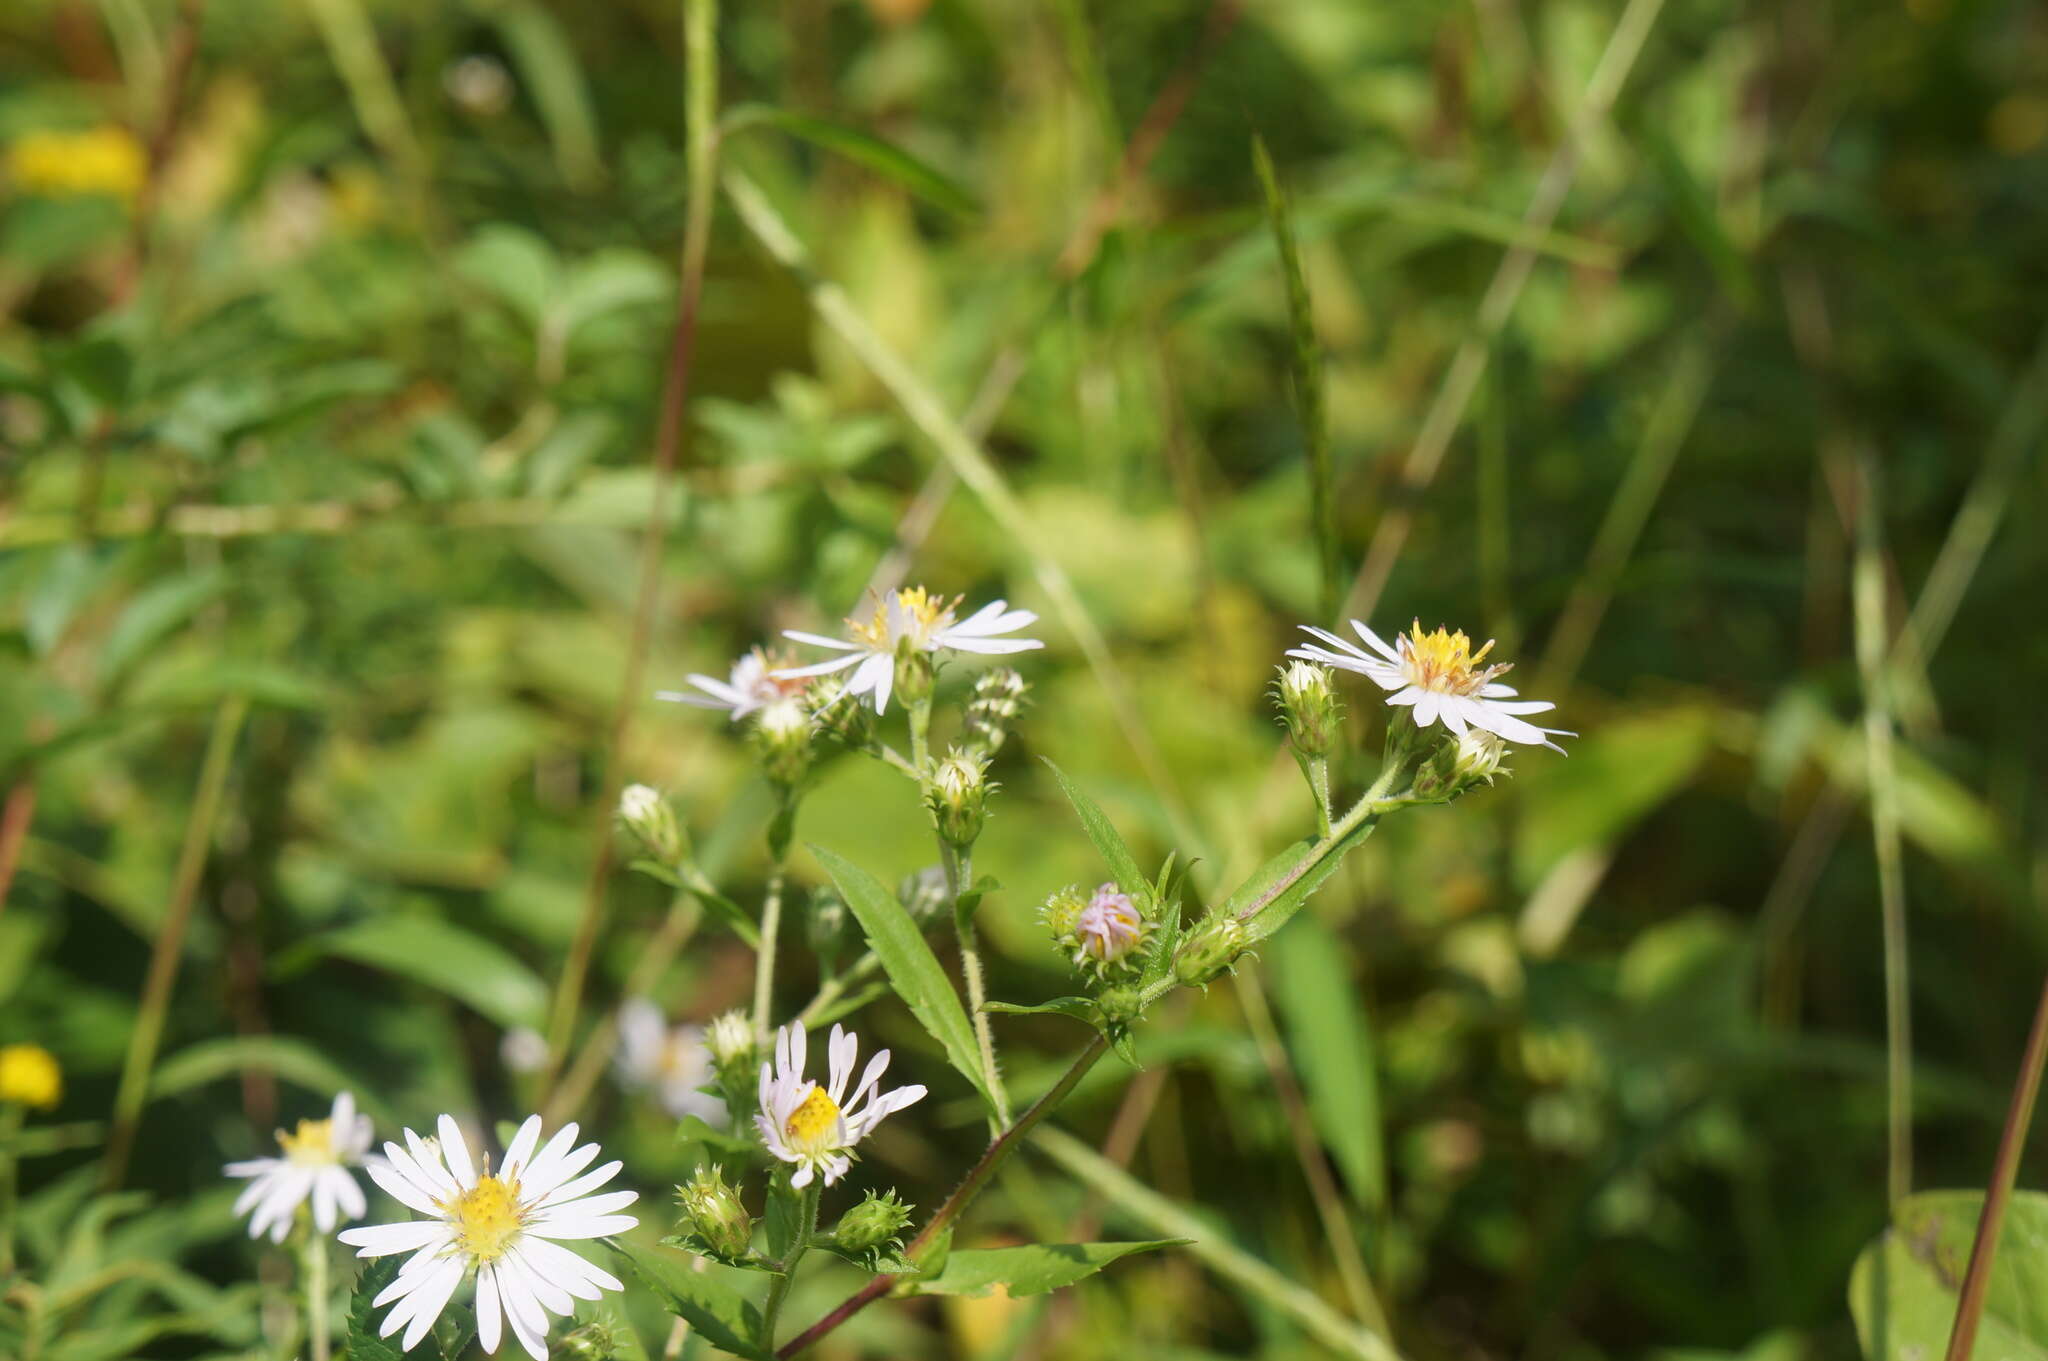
[315, 1165]
[673, 1063]
[814, 1126]
[1441, 676]
[499, 1225]
[918, 621]
[757, 680]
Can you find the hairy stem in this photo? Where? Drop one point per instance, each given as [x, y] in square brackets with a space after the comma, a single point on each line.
[316, 1291]
[778, 1285]
[764, 957]
[959, 864]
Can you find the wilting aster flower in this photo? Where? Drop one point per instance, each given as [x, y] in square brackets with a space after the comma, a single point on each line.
[1108, 931]
[1442, 677]
[816, 1127]
[315, 1166]
[497, 1224]
[673, 1062]
[916, 620]
[756, 681]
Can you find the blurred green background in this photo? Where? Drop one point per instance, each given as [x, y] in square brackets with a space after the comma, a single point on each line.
[332, 338]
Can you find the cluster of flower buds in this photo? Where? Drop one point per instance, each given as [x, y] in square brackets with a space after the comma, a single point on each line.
[1459, 764]
[998, 696]
[1308, 706]
[652, 822]
[1104, 933]
[872, 1230]
[958, 796]
[782, 740]
[1210, 950]
[718, 1221]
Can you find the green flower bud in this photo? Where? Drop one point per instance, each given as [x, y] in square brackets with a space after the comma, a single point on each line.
[1457, 765]
[782, 739]
[1212, 948]
[998, 696]
[645, 814]
[842, 717]
[914, 672]
[730, 1039]
[591, 1342]
[721, 1224]
[923, 894]
[875, 1224]
[1308, 706]
[1121, 1006]
[1060, 914]
[958, 797]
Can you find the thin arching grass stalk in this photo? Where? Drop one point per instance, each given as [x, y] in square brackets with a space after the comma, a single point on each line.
[147, 1034]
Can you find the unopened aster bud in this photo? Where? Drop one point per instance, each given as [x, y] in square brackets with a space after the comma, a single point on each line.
[1061, 911]
[1212, 948]
[1457, 765]
[838, 715]
[782, 739]
[923, 893]
[730, 1038]
[998, 695]
[1308, 706]
[1109, 932]
[591, 1342]
[1121, 1005]
[827, 922]
[876, 1222]
[958, 798]
[915, 672]
[647, 815]
[721, 1223]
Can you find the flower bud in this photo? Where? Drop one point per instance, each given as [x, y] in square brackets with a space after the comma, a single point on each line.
[591, 1342]
[1109, 932]
[1209, 950]
[1061, 911]
[730, 1038]
[914, 673]
[923, 893]
[958, 797]
[840, 716]
[877, 1222]
[1472, 758]
[998, 695]
[721, 1223]
[827, 922]
[1121, 1006]
[782, 739]
[1308, 706]
[647, 815]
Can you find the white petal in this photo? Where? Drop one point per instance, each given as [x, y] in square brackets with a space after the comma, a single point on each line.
[542, 1165]
[456, 1150]
[520, 1151]
[1522, 706]
[1409, 696]
[489, 1318]
[542, 1291]
[1377, 643]
[580, 1278]
[546, 1175]
[432, 1294]
[802, 1176]
[323, 1200]
[820, 640]
[391, 1176]
[381, 1240]
[991, 646]
[822, 668]
[429, 1166]
[1426, 706]
[582, 1186]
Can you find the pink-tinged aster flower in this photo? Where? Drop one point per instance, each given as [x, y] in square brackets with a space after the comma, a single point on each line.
[1441, 677]
[916, 620]
[816, 1126]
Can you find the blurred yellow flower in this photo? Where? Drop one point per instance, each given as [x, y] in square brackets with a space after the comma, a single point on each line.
[62, 164]
[29, 1076]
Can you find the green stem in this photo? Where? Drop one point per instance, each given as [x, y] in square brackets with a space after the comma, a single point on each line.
[10, 1125]
[1319, 785]
[778, 1285]
[832, 989]
[316, 1291]
[959, 863]
[920, 715]
[764, 957]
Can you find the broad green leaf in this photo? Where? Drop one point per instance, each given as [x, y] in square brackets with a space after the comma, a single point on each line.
[1332, 1046]
[1031, 1270]
[437, 955]
[724, 1317]
[291, 1059]
[869, 150]
[513, 264]
[1109, 844]
[607, 282]
[360, 1337]
[1904, 1289]
[913, 969]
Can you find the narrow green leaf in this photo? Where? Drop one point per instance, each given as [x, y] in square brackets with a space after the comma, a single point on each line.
[1278, 888]
[882, 157]
[1332, 1045]
[913, 969]
[550, 71]
[291, 1059]
[1109, 844]
[1035, 1269]
[724, 1317]
[1080, 1008]
[1307, 359]
[436, 955]
[361, 1338]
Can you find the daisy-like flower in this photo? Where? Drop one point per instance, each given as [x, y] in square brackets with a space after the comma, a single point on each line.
[315, 1166]
[673, 1063]
[816, 1127]
[757, 680]
[499, 1225]
[1442, 677]
[1108, 930]
[918, 621]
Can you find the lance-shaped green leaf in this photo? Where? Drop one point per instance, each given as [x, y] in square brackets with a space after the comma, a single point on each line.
[1278, 888]
[1031, 1270]
[1108, 843]
[1332, 1045]
[1080, 1008]
[914, 971]
[871, 151]
[721, 1314]
[438, 955]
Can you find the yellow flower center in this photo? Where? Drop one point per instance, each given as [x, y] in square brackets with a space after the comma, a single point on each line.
[811, 1123]
[29, 1076]
[1445, 662]
[486, 1218]
[312, 1145]
[923, 610]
